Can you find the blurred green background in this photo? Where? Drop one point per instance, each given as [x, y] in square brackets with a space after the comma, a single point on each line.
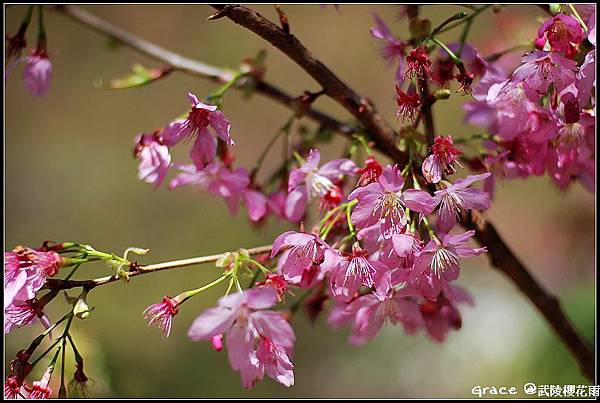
[70, 175]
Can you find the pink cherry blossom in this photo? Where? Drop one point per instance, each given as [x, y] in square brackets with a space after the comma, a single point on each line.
[244, 319]
[409, 103]
[275, 361]
[370, 172]
[276, 281]
[442, 256]
[256, 204]
[41, 389]
[216, 179]
[200, 118]
[276, 203]
[38, 73]
[458, 197]
[418, 64]
[318, 182]
[305, 252]
[162, 314]
[563, 32]
[383, 203]
[369, 314]
[511, 107]
[392, 49]
[441, 315]
[25, 272]
[23, 313]
[586, 79]
[154, 158]
[540, 69]
[13, 388]
[351, 272]
[441, 161]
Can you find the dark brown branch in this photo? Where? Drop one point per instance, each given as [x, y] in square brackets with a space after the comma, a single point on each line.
[505, 260]
[500, 254]
[359, 107]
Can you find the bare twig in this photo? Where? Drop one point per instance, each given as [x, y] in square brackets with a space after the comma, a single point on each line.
[192, 67]
[58, 284]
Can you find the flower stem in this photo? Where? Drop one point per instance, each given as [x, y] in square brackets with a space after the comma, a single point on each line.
[42, 39]
[34, 363]
[464, 20]
[283, 129]
[463, 36]
[458, 16]
[25, 22]
[454, 58]
[578, 17]
[191, 293]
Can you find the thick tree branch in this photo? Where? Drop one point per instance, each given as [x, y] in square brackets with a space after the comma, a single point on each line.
[500, 254]
[504, 259]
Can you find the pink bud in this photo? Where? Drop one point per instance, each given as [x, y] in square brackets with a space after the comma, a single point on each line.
[217, 342]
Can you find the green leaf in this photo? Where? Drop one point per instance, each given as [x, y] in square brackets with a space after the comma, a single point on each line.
[137, 251]
[140, 76]
[225, 260]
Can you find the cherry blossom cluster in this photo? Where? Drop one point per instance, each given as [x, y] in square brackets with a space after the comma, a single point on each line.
[26, 273]
[385, 251]
[211, 171]
[542, 115]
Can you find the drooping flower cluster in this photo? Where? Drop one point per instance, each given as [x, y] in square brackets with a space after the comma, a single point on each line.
[25, 273]
[205, 125]
[543, 114]
[395, 261]
[258, 340]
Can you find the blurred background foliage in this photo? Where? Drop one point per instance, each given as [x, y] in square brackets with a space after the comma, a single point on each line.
[70, 175]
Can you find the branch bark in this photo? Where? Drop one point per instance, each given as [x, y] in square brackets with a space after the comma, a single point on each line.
[501, 256]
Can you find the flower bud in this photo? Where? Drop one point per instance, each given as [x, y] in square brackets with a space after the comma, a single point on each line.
[217, 342]
[555, 8]
[442, 93]
[137, 251]
[81, 309]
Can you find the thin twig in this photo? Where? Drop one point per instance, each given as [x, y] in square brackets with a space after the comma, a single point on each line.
[193, 67]
[57, 284]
